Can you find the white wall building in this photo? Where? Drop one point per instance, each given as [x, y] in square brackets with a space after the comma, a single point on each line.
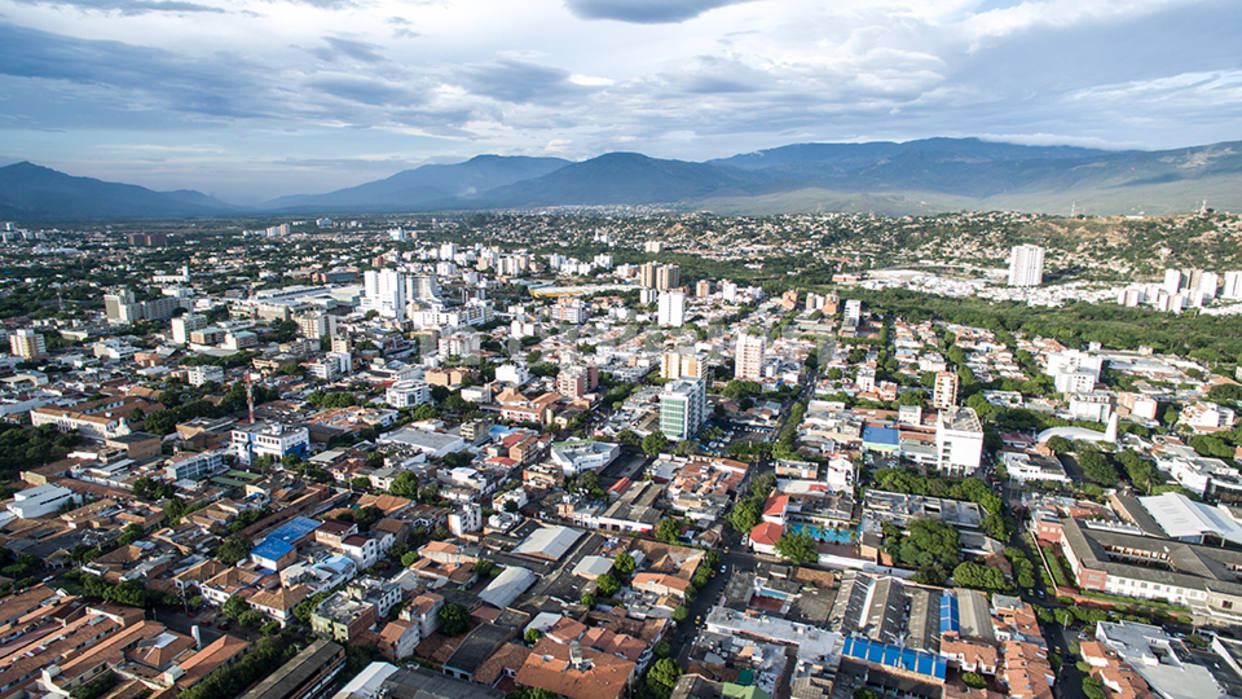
[671, 309]
[1026, 265]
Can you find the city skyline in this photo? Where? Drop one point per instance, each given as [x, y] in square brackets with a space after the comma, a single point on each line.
[247, 101]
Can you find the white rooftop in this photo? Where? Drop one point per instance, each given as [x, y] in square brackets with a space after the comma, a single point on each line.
[1181, 518]
[548, 542]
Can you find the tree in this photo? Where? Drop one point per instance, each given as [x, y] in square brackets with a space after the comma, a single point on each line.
[668, 530]
[405, 485]
[865, 693]
[607, 585]
[974, 680]
[623, 563]
[680, 613]
[654, 443]
[454, 619]
[532, 636]
[1097, 468]
[130, 534]
[980, 577]
[251, 618]
[234, 607]
[233, 549]
[1059, 445]
[409, 558]
[588, 600]
[798, 549]
[745, 516]
[662, 676]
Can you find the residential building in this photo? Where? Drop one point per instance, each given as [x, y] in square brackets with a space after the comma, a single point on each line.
[675, 365]
[384, 292]
[407, 394]
[748, 356]
[944, 394]
[671, 309]
[1026, 265]
[27, 344]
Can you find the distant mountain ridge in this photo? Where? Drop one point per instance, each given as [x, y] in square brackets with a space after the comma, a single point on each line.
[922, 176]
[34, 191]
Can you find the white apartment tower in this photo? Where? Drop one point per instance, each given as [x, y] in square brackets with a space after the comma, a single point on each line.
[384, 291]
[671, 309]
[1026, 265]
[748, 359]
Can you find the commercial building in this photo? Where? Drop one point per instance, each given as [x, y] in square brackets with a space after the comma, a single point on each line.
[269, 439]
[406, 394]
[1026, 265]
[185, 324]
[683, 407]
[194, 466]
[309, 674]
[959, 441]
[748, 357]
[41, 500]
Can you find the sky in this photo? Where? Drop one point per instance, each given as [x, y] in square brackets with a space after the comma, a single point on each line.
[251, 99]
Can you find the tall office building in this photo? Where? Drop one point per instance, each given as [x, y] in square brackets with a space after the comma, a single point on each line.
[647, 275]
[27, 344]
[852, 315]
[748, 358]
[422, 287]
[115, 305]
[1026, 265]
[671, 309]
[683, 406]
[944, 395]
[384, 292]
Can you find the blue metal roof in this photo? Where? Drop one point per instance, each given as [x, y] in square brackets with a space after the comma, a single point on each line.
[294, 529]
[881, 435]
[950, 620]
[893, 656]
[272, 549]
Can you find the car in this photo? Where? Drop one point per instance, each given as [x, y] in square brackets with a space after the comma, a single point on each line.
[724, 568]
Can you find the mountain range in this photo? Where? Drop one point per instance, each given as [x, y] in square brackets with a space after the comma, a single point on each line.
[923, 176]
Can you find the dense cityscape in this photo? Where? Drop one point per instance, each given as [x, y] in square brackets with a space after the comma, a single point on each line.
[622, 453]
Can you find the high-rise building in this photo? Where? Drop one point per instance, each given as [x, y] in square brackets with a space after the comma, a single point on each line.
[671, 309]
[1172, 281]
[728, 291]
[944, 394]
[315, 325]
[682, 408]
[1026, 265]
[183, 325]
[27, 344]
[570, 309]
[748, 358]
[122, 308]
[668, 277]
[676, 365]
[384, 292]
[1232, 289]
[422, 287]
[703, 288]
[853, 313]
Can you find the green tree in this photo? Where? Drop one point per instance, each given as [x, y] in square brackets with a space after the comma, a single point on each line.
[532, 636]
[607, 585]
[662, 676]
[654, 443]
[1059, 445]
[409, 558]
[623, 563]
[588, 600]
[980, 577]
[974, 680]
[680, 613]
[233, 549]
[405, 485]
[234, 607]
[251, 618]
[668, 530]
[132, 532]
[454, 619]
[798, 549]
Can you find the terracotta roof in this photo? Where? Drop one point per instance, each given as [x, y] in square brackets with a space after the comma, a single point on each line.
[766, 533]
[600, 676]
[508, 657]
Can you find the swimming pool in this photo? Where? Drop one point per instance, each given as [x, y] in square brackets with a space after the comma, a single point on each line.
[839, 536]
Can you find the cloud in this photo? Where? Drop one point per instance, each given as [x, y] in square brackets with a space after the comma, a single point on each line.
[519, 81]
[645, 11]
[361, 89]
[338, 47]
[129, 7]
